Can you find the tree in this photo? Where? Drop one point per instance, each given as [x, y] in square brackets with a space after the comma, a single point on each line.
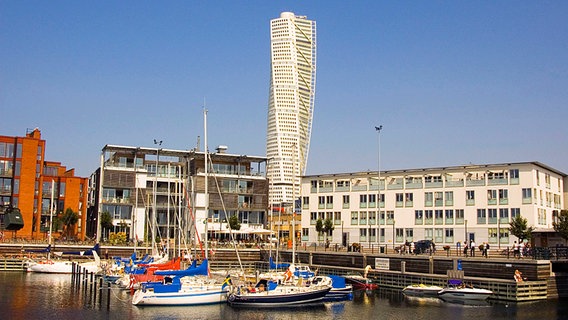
[561, 224]
[319, 227]
[69, 220]
[520, 229]
[328, 227]
[106, 221]
[234, 223]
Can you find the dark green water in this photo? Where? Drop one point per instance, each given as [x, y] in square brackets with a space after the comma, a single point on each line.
[55, 297]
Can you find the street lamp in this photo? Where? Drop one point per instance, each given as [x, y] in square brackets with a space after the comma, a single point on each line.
[378, 129]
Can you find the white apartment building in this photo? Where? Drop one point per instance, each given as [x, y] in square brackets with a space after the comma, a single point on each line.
[446, 205]
[291, 103]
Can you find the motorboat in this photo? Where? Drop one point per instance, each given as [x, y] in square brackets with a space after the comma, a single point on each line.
[359, 281]
[422, 290]
[268, 293]
[340, 290]
[456, 290]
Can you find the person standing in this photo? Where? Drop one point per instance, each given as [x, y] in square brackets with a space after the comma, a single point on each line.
[465, 248]
[472, 248]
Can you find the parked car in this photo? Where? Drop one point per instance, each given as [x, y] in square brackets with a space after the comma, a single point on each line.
[422, 246]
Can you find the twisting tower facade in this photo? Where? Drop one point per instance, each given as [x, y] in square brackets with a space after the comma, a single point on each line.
[291, 103]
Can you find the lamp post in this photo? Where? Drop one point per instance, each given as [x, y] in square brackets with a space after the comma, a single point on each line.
[158, 143]
[378, 130]
[465, 236]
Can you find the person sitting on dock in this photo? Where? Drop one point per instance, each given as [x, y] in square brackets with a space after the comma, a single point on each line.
[518, 276]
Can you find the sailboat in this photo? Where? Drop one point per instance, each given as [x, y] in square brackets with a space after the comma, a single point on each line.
[189, 287]
[62, 266]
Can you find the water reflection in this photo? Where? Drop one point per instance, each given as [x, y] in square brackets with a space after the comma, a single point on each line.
[37, 296]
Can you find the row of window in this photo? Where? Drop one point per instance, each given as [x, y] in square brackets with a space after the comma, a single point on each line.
[401, 235]
[432, 199]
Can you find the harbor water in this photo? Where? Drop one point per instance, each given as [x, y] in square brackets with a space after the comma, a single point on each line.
[57, 297]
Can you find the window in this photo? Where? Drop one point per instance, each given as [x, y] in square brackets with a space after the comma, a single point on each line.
[409, 233]
[504, 215]
[363, 218]
[470, 197]
[449, 235]
[363, 201]
[354, 218]
[306, 202]
[428, 216]
[503, 196]
[321, 202]
[346, 200]
[418, 216]
[492, 216]
[459, 216]
[491, 196]
[515, 212]
[428, 199]
[399, 200]
[329, 201]
[438, 199]
[408, 199]
[527, 195]
[313, 218]
[481, 216]
[439, 215]
[449, 198]
[449, 216]
[372, 201]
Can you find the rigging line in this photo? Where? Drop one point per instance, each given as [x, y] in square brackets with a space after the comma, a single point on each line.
[228, 224]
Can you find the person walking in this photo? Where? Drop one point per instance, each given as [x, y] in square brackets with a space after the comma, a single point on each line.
[465, 248]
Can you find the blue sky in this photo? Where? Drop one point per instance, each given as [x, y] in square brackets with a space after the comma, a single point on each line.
[452, 82]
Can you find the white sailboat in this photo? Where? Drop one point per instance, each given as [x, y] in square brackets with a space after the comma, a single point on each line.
[190, 287]
[62, 266]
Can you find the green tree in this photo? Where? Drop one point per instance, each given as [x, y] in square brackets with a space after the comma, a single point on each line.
[561, 224]
[106, 221]
[328, 227]
[520, 229]
[69, 220]
[319, 227]
[234, 223]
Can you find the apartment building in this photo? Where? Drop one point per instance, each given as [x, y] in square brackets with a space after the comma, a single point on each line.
[445, 205]
[160, 193]
[27, 181]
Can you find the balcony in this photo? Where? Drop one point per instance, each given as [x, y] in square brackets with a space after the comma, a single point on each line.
[359, 188]
[414, 185]
[475, 183]
[470, 202]
[454, 183]
[491, 201]
[439, 184]
[325, 189]
[497, 182]
[341, 189]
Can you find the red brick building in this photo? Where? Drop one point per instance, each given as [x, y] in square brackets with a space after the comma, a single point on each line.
[26, 183]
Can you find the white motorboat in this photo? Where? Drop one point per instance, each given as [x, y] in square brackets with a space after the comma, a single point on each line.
[421, 290]
[457, 290]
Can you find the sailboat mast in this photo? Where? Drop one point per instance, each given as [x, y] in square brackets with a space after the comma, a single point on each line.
[51, 216]
[206, 184]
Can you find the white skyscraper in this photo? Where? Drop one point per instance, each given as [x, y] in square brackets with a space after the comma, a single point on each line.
[291, 103]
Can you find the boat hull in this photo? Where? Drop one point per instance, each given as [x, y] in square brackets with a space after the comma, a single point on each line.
[422, 290]
[65, 267]
[190, 297]
[464, 294]
[278, 299]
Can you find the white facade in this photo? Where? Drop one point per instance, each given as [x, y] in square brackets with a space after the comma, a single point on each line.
[445, 205]
[291, 103]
